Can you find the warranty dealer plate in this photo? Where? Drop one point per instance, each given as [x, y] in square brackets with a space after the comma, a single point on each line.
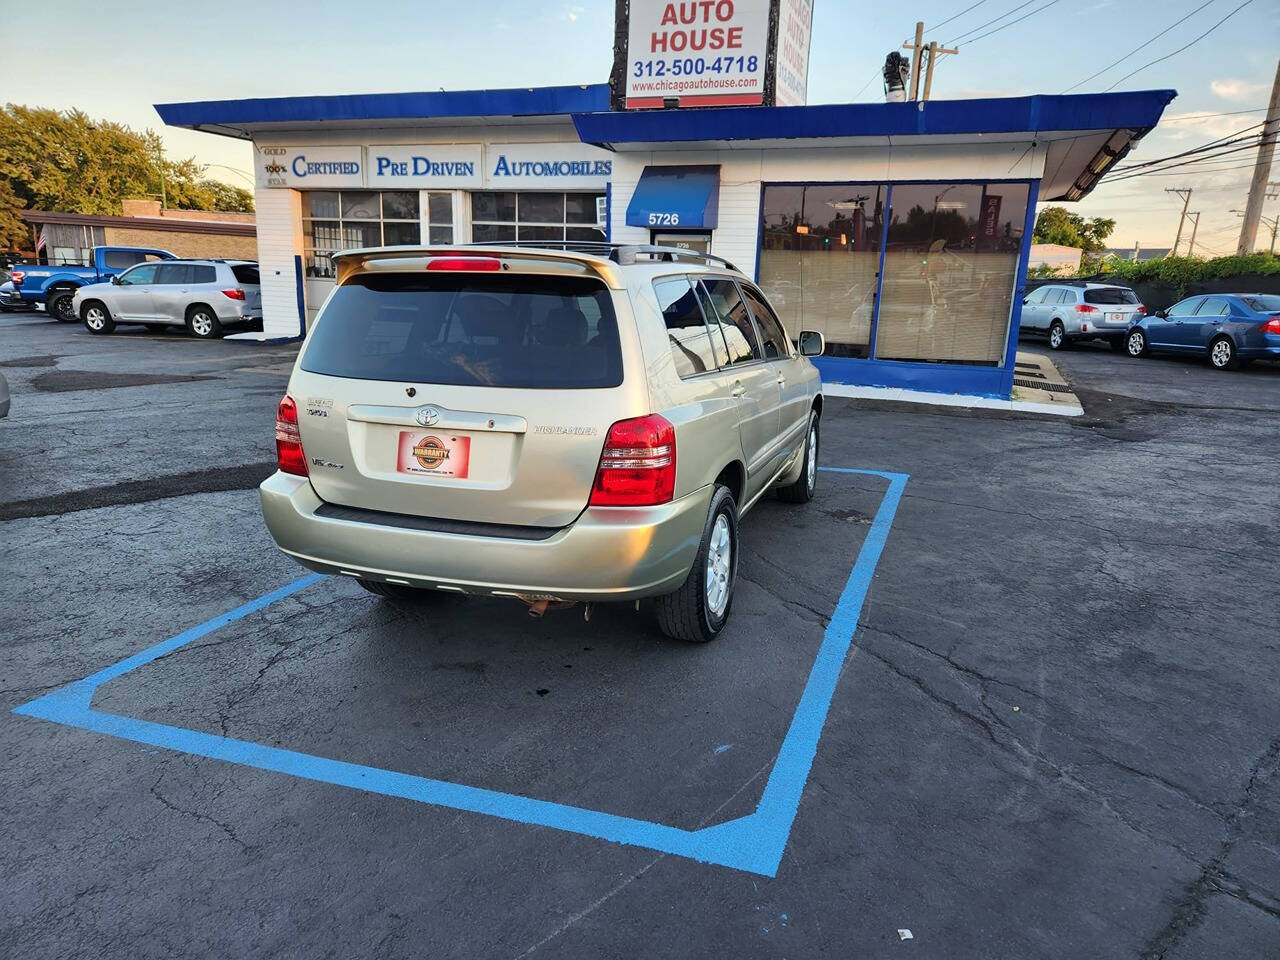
[434, 454]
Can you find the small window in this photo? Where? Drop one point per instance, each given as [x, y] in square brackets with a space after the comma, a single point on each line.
[1213, 307]
[1185, 308]
[140, 275]
[771, 333]
[246, 273]
[173, 274]
[204, 273]
[1110, 295]
[734, 320]
[687, 333]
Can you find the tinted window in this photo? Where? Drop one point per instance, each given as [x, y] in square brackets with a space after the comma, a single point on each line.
[501, 331]
[1037, 295]
[143, 274]
[687, 333]
[1213, 307]
[1263, 304]
[1110, 295]
[771, 332]
[119, 259]
[173, 273]
[734, 320]
[246, 272]
[1184, 308]
[1066, 295]
[203, 273]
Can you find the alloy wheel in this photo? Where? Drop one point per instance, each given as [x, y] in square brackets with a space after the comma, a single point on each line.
[811, 468]
[719, 566]
[1136, 344]
[94, 318]
[1220, 355]
[201, 324]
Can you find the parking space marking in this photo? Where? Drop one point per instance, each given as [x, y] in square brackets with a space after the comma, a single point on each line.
[754, 843]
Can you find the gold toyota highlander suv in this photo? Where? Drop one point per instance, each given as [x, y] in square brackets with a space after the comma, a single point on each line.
[544, 425]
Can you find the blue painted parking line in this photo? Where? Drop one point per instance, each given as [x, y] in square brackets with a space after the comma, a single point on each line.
[755, 842]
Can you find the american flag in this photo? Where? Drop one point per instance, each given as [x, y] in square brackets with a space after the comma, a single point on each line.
[39, 242]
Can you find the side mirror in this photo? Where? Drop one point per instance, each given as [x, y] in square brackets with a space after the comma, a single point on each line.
[1161, 314]
[811, 343]
[115, 278]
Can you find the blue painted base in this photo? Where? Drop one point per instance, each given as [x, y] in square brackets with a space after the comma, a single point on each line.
[994, 382]
[753, 843]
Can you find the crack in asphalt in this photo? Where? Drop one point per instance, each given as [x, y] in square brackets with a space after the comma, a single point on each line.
[196, 814]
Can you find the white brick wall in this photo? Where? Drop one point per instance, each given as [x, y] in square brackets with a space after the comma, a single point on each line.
[279, 241]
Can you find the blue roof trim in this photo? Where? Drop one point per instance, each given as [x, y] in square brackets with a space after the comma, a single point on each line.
[684, 197]
[1091, 111]
[522, 102]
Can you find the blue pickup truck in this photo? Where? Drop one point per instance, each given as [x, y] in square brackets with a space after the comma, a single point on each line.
[54, 286]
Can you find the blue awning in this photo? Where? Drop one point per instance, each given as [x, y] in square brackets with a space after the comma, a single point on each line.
[687, 198]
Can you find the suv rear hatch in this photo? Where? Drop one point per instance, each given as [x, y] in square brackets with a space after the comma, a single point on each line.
[249, 280]
[482, 396]
[1113, 306]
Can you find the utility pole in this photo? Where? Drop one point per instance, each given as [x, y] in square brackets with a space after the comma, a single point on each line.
[1195, 225]
[1261, 170]
[1185, 194]
[917, 50]
[935, 51]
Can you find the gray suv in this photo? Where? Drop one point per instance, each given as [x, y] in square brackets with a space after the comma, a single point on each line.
[205, 296]
[1068, 312]
[547, 426]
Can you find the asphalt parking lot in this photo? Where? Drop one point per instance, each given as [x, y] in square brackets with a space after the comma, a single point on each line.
[1055, 733]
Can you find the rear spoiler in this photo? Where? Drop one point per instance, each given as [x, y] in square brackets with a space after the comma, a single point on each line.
[514, 259]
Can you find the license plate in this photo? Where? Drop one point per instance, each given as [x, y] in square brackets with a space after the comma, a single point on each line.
[437, 454]
[1115, 318]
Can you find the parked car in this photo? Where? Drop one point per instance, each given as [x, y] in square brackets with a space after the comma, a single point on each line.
[1230, 329]
[55, 286]
[205, 296]
[542, 425]
[1068, 312]
[4, 397]
[10, 302]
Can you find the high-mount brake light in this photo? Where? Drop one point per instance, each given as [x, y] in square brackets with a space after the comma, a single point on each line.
[290, 457]
[465, 264]
[637, 465]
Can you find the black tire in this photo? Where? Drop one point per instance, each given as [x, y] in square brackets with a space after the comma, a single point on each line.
[203, 323]
[686, 614]
[1222, 354]
[1057, 336]
[156, 327]
[398, 591]
[802, 490]
[1135, 343]
[58, 304]
[97, 318]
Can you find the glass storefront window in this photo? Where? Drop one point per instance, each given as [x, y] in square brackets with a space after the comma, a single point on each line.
[949, 270]
[504, 216]
[335, 220]
[440, 217]
[820, 259]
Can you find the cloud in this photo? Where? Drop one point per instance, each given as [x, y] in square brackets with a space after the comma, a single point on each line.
[1195, 125]
[573, 13]
[1237, 91]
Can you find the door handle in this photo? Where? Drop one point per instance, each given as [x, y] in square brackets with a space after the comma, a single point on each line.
[738, 390]
[782, 380]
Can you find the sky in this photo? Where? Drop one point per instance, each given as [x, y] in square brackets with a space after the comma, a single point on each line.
[138, 54]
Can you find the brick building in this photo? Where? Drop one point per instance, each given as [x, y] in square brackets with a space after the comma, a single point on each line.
[187, 233]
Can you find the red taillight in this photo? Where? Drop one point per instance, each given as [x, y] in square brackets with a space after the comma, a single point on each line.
[1085, 308]
[472, 264]
[289, 455]
[17, 277]
[1272, 326]
[233, 294]
[1142, 309]
[637, 465]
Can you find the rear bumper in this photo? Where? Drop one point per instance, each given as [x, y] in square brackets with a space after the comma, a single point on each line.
[609, 553]
[1269, 351]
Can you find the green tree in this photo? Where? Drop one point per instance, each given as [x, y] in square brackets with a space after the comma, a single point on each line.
[66, 161]
[1060, 225]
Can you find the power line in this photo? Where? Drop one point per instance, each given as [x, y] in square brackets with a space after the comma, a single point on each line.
[1012, 22]
[1140, 47]
[1180, 49]
[1173, 166]
[1234, 137]
[957, 16]
[991, 21]
[1205, 116]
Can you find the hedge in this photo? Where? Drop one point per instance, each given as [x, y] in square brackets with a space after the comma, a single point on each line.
[1182, 273]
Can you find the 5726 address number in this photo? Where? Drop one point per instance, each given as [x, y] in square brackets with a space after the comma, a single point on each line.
[664, 219]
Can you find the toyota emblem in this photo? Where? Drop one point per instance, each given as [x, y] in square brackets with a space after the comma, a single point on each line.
[428, 416]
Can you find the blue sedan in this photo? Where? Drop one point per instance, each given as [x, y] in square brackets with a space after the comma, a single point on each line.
[1228, 328]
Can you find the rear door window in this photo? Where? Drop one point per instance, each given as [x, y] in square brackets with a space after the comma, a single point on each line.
[1213, 307]
[246, 272]
[734, 320]
[773, 338]
[501, 331]
[1113, 295]
[687, 332]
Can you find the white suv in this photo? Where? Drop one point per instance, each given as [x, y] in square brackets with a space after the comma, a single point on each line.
[542, 425]
[205, 296]
[1068, 312]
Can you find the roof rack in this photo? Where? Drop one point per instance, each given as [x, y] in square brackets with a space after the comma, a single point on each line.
[623, 254]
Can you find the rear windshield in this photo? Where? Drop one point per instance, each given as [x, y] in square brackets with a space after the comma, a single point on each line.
[245, 272]
[1263, 304]
[1110, 295]
[495, 331]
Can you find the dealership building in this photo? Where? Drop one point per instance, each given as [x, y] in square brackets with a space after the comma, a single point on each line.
[901, 231]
